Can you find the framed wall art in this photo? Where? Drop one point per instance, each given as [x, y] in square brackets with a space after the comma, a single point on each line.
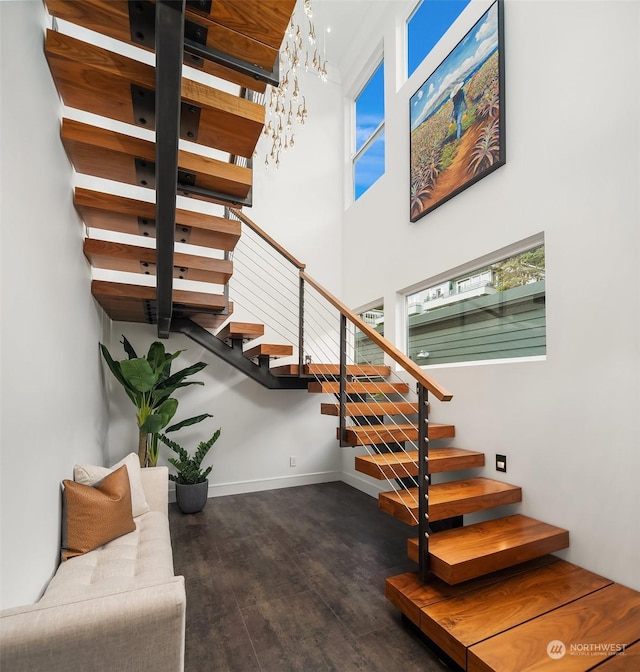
[457, 117]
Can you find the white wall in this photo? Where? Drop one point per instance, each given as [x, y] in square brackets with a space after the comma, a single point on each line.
[261, 428]
[569, 424]
[53, 410]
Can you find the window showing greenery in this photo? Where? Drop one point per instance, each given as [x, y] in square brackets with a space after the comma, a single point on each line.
[429, 21]
[494, 312]
[366, 351]
[368, 160]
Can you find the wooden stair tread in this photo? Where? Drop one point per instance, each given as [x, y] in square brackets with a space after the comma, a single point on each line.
[410, 595]
[468, 552]
[629, 660]
[367, 408]
[365, 435]
[446, 500]
[212, 321]
[95, 80]
[269, 350]
[111, 18]
[405, 463]
[460, 622]
[136, 303]
[244, 330]
[604, 617]
[135, 259]
[365, 370]
[357, 387]
[127, 215]
[110, 155]
[333, 370]
[263, 22]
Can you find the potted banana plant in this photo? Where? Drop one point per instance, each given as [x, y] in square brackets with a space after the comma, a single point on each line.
[191, 481]
[149, 384]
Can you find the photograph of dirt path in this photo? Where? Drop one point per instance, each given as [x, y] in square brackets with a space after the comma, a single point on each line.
[457, 125]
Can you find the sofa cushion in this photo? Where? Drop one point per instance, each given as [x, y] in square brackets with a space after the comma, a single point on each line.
[88, 474]
[93, 515]
[139, 558]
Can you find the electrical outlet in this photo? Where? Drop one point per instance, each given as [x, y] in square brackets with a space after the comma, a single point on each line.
[292, 461]
[501, 463]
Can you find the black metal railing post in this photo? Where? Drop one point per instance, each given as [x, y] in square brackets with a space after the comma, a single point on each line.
[343, 378]
[424, 529]
[300, 326]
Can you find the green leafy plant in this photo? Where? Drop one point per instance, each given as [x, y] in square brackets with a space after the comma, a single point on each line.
[189, 469]
[149, 384]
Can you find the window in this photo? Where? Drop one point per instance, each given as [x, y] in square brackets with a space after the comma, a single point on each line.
[493, 312]
[368, 161]
[367, 352]
[429, 21]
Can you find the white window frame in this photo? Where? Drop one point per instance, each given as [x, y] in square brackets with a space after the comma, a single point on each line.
[372, 66]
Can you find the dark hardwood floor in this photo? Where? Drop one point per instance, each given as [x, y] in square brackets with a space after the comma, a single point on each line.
[293, 579]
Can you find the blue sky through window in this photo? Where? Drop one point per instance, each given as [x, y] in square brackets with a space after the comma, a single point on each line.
[427, 25]
[370, 107]
[369, 165]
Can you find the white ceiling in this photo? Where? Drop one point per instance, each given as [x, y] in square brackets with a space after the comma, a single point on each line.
[344, 18]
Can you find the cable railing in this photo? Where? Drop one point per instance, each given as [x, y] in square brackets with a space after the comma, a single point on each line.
[375, 405]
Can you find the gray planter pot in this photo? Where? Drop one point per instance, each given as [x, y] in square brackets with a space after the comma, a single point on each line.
[192, 498]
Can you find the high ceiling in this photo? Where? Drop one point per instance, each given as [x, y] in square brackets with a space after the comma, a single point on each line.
[344, 18]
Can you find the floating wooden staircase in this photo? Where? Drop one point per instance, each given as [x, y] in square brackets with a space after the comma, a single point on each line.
[504, 541]
[495, 600]
[236, 42]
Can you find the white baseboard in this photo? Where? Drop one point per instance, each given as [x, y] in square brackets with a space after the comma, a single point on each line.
[362, 484]
[258, 485]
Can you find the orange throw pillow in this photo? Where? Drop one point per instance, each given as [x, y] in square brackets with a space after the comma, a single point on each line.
[94, 514]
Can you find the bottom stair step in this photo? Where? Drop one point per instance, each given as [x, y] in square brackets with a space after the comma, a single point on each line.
[505, 621]
[460, 622]
[468, 552]
[591, 630]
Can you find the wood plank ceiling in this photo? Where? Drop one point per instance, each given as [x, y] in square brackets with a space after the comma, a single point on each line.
[235, 41]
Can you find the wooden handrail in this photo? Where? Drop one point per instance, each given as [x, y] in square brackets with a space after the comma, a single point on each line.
[267, 238]
[407, 364]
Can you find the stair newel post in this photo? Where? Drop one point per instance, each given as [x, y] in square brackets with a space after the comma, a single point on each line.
[301, 325]
[343, 378]
[424, 529]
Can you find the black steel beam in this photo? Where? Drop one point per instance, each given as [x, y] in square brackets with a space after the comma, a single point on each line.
[169, 50]
[244, 67]
[235, 357]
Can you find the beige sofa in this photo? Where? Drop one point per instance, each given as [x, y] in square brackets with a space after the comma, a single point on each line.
[119, 608]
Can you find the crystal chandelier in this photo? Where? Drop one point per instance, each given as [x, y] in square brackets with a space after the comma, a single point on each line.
[286, 106]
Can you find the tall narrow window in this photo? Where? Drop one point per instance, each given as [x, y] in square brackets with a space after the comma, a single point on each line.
[429, 21]
[366, 351]
[368, 160]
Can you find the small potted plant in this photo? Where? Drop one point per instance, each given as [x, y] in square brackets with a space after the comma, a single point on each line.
[191, 481]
